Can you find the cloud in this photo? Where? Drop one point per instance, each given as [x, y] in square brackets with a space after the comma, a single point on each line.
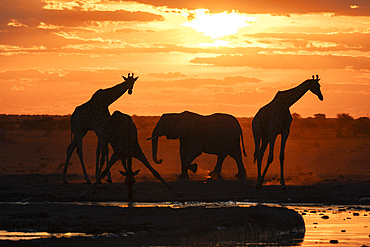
[32, 12]
[275, 7]
[240, 79]
[167, 75]
[352, 39]
[286, 61]
[131, 30]
[17, 88]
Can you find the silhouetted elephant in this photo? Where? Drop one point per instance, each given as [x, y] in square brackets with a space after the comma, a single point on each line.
[218, 134]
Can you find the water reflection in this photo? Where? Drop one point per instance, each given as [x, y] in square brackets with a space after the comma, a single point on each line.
[16, 236]
[342, 226]
[176, 204]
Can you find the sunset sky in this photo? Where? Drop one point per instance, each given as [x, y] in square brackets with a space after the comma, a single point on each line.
[203, 56]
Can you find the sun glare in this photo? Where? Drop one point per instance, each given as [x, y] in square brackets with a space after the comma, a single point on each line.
[217, 25]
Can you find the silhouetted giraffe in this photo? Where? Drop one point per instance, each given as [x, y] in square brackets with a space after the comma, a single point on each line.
[92, 115]
[274, 119]
[120, 131]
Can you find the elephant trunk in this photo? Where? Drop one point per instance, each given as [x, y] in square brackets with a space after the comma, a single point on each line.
[155, 149]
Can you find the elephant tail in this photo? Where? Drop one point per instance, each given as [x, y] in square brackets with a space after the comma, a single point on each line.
[241, 137]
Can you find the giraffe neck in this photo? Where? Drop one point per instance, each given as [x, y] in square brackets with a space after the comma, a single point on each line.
[107, 96]
[289, 97]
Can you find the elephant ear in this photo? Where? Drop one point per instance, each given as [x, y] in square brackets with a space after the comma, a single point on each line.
[184, 125]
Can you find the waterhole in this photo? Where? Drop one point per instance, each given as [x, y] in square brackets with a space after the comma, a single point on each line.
[325, 225]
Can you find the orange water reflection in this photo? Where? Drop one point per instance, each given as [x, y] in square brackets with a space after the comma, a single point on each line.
[16, 236]
[342, 226]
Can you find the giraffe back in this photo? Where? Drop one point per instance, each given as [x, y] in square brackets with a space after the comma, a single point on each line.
[272, 118]
[89, 116]
[120, 131]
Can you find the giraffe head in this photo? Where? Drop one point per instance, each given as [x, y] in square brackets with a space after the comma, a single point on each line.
[314, 87]
[130, 81]
[130, 181]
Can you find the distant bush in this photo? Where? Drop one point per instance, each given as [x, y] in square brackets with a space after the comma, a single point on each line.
[43, 123]
[353, 127]
[64, 124]
[361, 126]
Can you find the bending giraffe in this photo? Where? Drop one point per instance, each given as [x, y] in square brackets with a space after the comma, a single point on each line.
[92, 115]
[121, 133]
[274, 119]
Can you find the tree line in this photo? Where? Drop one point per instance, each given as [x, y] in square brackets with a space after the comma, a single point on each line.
[343, 124]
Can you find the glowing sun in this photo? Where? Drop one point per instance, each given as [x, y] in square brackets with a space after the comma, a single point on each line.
[217, 25]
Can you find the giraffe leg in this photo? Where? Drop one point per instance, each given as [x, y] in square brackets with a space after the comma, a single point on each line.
[113, 159]
[216, 173]
[284, 137]
[259, 153]
[70, 150]
[109, 176]
[265, 142]
[141, 157]
[102, 152]
[97, 167]
[80, 155]
[259, 148]
[269, 161]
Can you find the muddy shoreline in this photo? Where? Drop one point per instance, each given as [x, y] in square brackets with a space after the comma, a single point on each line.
[36, 202]
[157, 226]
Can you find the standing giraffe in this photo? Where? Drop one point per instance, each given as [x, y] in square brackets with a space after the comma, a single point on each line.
[274, 119]
[121, 133]
[92, 115]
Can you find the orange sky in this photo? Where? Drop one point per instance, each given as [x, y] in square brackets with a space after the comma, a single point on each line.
[203, 56]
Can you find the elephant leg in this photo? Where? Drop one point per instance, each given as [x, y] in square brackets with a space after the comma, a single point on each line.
[188, 165]
[237, 156]
[188, 153]
[216, 173]
[183, 155]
